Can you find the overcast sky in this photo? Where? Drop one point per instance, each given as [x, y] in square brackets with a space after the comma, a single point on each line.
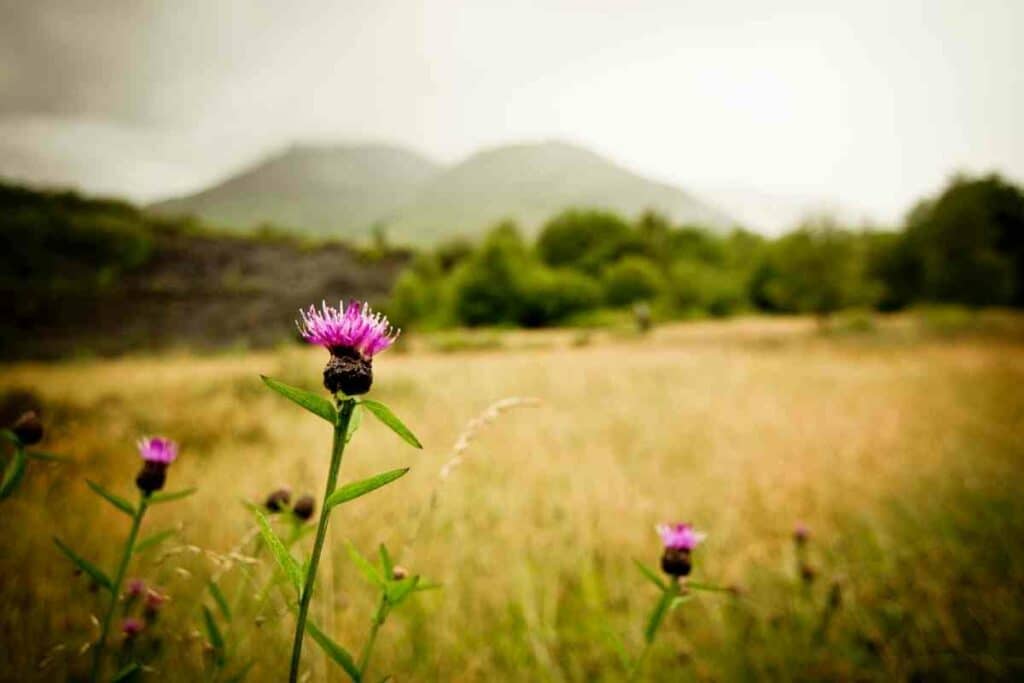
[867, 105]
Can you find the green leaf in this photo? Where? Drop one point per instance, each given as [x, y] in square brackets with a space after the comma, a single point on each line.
[651, 574]
[213, 632]
[171, 495]
[291, 568]
[399, 590]
[218, 597]
[354, 421]
[13, 473]
[354, 490]
[334, 651]
[126, 673]
[42, 455]
[118, 502]
[153, 540]
[314, 403]
[94, 572]
[707, 587]
[420, 587]
[385, 561]
[368, 570]
[385, 415]
[658, 615]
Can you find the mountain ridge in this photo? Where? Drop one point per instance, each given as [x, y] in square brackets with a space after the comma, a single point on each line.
[349, 191]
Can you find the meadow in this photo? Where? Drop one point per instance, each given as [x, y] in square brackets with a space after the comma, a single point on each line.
[899, 443]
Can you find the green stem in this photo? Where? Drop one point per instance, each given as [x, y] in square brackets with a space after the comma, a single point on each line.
[378, 621]
[115, 591]
[337, 450]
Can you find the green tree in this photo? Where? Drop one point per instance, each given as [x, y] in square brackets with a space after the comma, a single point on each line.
[631, 279]
[586, 240]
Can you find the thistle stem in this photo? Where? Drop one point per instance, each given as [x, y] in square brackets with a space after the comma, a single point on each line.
[378, 621]
[115, 590]
[345, 408]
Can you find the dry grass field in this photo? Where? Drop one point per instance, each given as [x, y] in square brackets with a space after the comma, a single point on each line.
[902, 448]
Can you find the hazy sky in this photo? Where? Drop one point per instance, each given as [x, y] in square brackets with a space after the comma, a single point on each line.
[865, 104]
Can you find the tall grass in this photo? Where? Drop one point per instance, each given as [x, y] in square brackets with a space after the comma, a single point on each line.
[903, 453]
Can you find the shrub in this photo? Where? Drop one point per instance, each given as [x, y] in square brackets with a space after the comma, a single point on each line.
[632, 279]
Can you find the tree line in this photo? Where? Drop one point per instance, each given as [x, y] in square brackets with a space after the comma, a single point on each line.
[963, 246]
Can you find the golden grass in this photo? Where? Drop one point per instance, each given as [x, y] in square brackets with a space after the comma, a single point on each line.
[902, 452]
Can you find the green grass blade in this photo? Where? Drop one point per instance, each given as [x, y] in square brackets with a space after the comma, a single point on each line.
[171, 495]
[117, 501]
[314, 403]
[94, 572]
[334, 651]
[697, 586]
[222, 602]
[43, 455]
[213, 633]
[284, 558]
[368, 570]
[651, 574]
[13, 473]
[385, 415]
[354, 490]
[127, 673]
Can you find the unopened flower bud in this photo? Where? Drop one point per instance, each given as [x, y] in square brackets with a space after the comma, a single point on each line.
[807, 573]
[278, 500]
[134, 588]
[348, 372]
[676, 562]
[801, 533]
[304, 507]
[157, 453]
[152, 476]
[154, 601]
[28, 428]
[399, 572]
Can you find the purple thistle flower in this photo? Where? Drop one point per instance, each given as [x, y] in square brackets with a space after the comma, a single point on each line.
[158, 449]
[354, 327]
[135, 588]
[131, 627]
[680, 536]
[801, 533]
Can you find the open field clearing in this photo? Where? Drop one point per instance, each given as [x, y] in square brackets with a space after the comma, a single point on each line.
[901, 449]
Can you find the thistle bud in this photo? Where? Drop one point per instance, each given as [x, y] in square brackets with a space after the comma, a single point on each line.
[133, 589]
[157, 453]
[801, 534]
[399, 572]
[304, 507]
[132, 627]
[278, 500]
[154, 601]
[348, 372]
[807, 573]
[28, 428]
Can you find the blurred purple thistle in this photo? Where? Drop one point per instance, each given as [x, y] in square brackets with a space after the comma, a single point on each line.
[131, 627]
[158, 449]
[354, 327]
[801, 533]
[135, 588]
[680, 536]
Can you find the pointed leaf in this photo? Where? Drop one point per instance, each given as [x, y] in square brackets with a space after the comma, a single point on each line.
[334, 651]
[43, 455]
[314, 403]
[651, 574]
[658, 615]
[221, 601]
[117, 501]
[707, 587]
[368, 570]
[386, 564]
[171, 495]
[420, 587]
[354, 421]
[385, 415]
[13, 473]
[153, 540]
[399, 590]
[354, 490]
[213, 633]
[94, 572]
[291, 568]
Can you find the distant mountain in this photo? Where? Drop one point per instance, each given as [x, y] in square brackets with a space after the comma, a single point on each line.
[345, 191]
[338, 191]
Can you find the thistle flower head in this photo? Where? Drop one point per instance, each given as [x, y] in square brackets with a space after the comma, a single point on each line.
[801, 533]
[680, 536]
[304, 507]
[135, 588]
[355, 327]
[131, 627]
[158, 449]
[28, 428]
